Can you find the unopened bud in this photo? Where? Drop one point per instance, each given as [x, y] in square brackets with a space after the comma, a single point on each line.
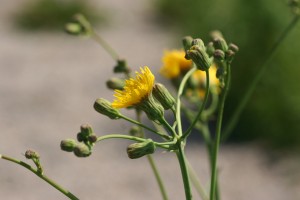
[68, 145]
[121, 66]
[82, 150]
[86, 129]
[140, 149]
[161, 94]
[219, 55]
[233, 48]
[104, 107]
[200, 57]
[153, 109]
[210, 49]
[73, 28]
[187, 42]
[30, 154]
[216, 34]
[220, 43]
[115, 84]
[230, 55]
[198, 42]
[92, 138]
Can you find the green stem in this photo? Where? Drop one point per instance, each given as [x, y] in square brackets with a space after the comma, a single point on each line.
[157, 177]
[153, 165]
[168, 127]
[42, 176]
[258, 76]
[184, 171]
[218, 134]
[188, 131]
[105, 45]
[178, 104]
[195, 181]
[146, 127]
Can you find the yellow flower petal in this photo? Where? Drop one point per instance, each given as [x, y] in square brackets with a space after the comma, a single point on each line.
[135, 89]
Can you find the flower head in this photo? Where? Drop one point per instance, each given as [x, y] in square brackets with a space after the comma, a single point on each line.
[174, 63]
[135, 89]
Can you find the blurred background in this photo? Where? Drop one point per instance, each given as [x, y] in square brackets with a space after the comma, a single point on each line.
[49, 81]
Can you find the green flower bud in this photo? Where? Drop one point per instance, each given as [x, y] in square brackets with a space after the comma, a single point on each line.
[200, 57]
[121, 67]
[187, 42]
[161, 94]
[138, 150]
[230, 55]
[84, 23]
[92, 138]
[210, 49]
[215, 34]
[104, 107]
[82, 150]
[233, 48]
[73, 28]
[115, 84]
[198, 42]
[220, 43]
[153, 109]
[135, 131]
[30, 154]
[68, 145]
[86, 129]
[219, 55]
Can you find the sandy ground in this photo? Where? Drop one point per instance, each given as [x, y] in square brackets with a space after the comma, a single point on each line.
[48, 83]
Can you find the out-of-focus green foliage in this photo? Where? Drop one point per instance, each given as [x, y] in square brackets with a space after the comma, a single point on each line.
[273, 113]
[54, 14]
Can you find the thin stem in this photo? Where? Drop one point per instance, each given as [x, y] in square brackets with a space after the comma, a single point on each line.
[158, 178]
[258, 76]
[146, 127]
[164, 145]
[42, 176]
[178, 104]
[168, 127]
[218, 134]
[195, 181]
[153, 165]
[188, 131]
[105, 45]
[184, 171]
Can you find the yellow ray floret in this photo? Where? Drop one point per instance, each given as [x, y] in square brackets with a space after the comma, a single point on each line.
[135, 89]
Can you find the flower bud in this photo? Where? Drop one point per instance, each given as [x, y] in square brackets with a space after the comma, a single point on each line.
[161, 94]
[187, 42]
[104, 107]
[115, 84]
[210, 49]
[198, 42]
[82, 150]
[215, 34]
[220, 43]
[140, 149]
[68, 145]
[230, 55]
[233, 48]
[200, 57]
[219, 55]
[30, 154]
[153, 109]
[73, 28]
[92, 138]
[121, 67]
[86, 129]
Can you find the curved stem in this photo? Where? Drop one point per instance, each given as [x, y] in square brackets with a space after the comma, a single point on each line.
[146, 127]
[105, 45]
[188, 131]
[42, 176]
[184, 171]
[178, 104]
[168, 127]
[249, 91]
[218, 134]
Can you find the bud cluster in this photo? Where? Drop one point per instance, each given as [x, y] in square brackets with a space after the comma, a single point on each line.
[86, 139]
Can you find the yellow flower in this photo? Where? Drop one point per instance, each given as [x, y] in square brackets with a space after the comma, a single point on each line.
[200, 76]
[135, 89]
[174, 63]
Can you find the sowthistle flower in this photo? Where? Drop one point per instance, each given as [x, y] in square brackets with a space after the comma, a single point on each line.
[174, 64]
